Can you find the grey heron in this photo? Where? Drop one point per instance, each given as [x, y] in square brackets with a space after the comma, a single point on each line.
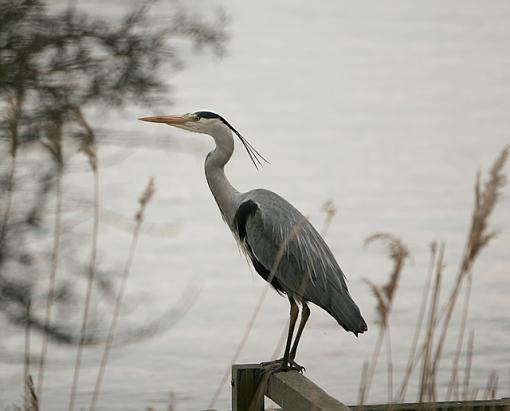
[283, 246]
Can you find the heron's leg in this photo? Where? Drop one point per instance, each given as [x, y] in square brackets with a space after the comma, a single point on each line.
[285, 364]
[305, 313]
[294, 311]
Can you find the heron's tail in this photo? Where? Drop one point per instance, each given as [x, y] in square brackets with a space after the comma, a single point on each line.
[347, 313]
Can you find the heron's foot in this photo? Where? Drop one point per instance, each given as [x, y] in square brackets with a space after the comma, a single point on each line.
[282, 365]
[295, 366]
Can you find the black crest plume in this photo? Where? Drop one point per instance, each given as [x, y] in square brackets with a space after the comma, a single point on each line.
[257, 159]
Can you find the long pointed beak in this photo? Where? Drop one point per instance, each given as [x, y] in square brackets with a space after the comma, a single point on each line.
[166, 119]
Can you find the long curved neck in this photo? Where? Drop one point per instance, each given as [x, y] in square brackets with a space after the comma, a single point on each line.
[224, 193]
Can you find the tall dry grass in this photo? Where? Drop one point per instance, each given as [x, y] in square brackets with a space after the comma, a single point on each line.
[427, 349]
[53, 143]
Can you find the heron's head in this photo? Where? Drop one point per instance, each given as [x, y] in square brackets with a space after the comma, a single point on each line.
[207, 122]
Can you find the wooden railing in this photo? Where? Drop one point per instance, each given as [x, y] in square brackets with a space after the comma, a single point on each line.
[294, 392]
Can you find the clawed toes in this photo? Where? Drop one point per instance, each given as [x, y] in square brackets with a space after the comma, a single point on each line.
[295, 366]
[282, 366]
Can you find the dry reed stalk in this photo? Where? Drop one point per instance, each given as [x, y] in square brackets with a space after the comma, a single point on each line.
[172, 401]
[254, 315]
[54, 145]
[88, 147]
[424, 393]
[365, 389]
[453, 385]
[329, 208]
[139, 218]
[467, 369]
[363, 384]
[389, 362]
[492, 386]
[13, 112]
[384, 294]
[8, 200]
[26, 362]
[478, 238]
[32, 402]
[423, 305]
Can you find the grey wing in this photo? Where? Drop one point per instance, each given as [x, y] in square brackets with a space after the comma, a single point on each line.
[283, 241]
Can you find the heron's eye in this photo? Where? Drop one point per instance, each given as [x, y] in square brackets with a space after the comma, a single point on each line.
[196, 117]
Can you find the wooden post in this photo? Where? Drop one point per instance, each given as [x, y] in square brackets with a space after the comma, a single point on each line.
[246, 380]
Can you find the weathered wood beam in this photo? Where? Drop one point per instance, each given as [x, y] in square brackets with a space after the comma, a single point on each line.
[293, 391]
[479, 405]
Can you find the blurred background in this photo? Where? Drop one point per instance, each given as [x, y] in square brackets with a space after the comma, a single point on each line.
[384, 114]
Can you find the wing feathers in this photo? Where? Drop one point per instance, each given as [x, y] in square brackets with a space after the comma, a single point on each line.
[267, 226]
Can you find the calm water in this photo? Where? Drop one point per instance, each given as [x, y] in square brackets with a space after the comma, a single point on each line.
[386, 111]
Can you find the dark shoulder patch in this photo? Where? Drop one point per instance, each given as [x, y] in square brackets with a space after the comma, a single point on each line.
[243, 212]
